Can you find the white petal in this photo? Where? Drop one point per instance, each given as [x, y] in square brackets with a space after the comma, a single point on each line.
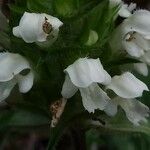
[111, 108]
[5, 88]
[25, 83]
[84, 72]
[132, 48]
[16, 31]
[139, 22]
[124, 12]
[50, 39]
[146, 58]
[141, 68]
[132, 6]
[28, 27]
[93, 37]
[127, 86]
[141, 41]
[135, 44]
[68, 89]
[135, 111]
[11, 64]
[55, 22]
[93, 97]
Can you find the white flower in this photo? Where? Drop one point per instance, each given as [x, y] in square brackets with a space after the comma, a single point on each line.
[92, 39]
[141, 68]
[127, 86]
[135, 111]
[84, 74]
[133, 35]
[125, 10]
[11, 66]
[35, 27]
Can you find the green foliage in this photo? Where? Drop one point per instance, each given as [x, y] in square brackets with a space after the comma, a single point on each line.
[117, 142]
[38, 6]
[66, 8]
[23, 115]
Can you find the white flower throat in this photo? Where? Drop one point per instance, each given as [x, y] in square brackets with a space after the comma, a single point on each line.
[130, 36]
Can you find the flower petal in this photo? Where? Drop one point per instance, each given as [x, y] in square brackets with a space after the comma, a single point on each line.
[146, 58]
[135, 44]
[132, 6]
[139, 22]
[16, 31]
[111, 108]
[68, 89]
[25, 83]
[55, 22]
[132, 48]
[93, 97]
[11, 64]
[141, 68]
[141, 42]
[127, 86]
[50, 39]
[124, 12]
[28, 27]
[133, 34]
[135, 111]
[5, 88]
[84, 72]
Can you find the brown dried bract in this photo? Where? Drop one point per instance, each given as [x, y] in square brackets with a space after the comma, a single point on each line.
[57, 109]
[55, 106]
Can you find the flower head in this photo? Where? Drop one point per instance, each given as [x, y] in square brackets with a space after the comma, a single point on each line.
[35, 27]
[133, 35]
[10, 74]
[84, 74]
[128, 87]
[135, 111]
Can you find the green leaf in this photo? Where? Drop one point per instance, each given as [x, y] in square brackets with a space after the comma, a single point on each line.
[66, 8]
[121, 61]
[41, 6]
[120, 124]
[4, 40]
[23, 115]
[65, 121]
[17, 9]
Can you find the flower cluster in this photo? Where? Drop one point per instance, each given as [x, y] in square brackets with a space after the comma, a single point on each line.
[88, 75]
